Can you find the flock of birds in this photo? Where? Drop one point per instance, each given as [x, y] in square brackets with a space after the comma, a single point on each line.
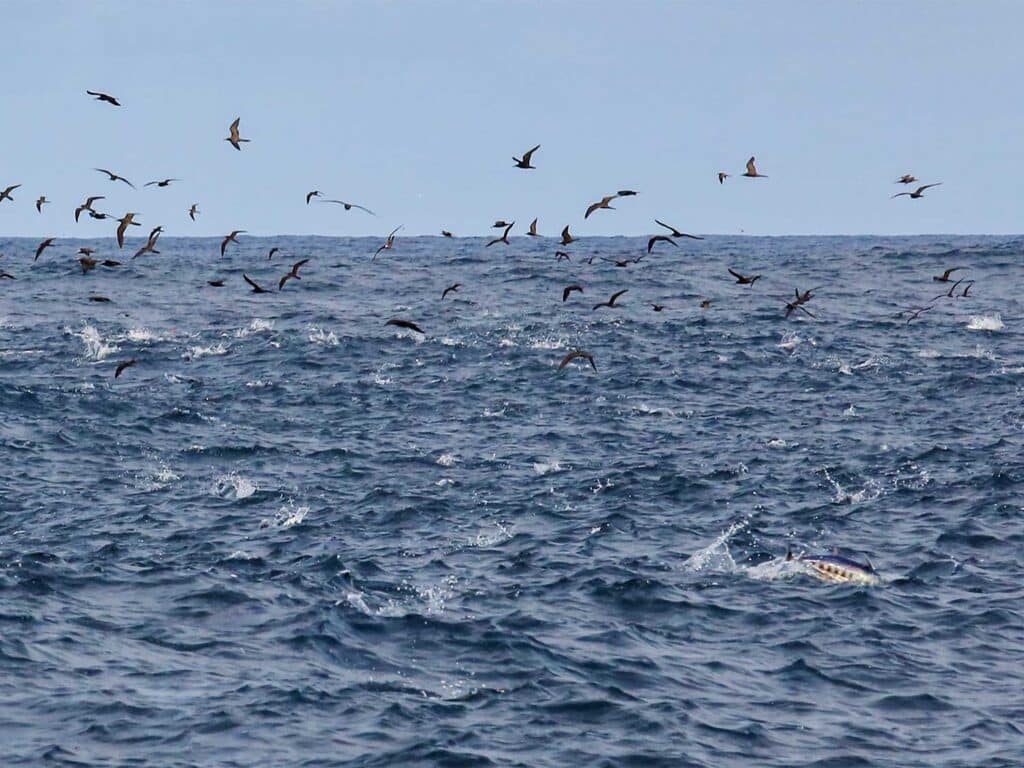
[796, 303]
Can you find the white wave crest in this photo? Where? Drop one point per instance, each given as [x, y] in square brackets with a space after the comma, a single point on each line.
[985, 323]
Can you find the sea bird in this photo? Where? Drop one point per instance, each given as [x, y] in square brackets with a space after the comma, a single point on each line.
[446, 233]
[906, 179]
[87, 205]
[405, 324]
[567, 239]
[234, 138]
[569, 289]
[40, 203]
[525, 162]
[744, 279]
[454, 287]
[722, 177]
[5, 194]
[123, 366]
[577, 354]
[504, 236]
[150, 246]
[945, 276]
[532, 231]
[255, 288]
[293, 274]
[611, 302]
[349, 206]
[230, 239]
[311, 195]
[104, 97]
[193, 211]
[919, 192]
[676, 232]
[602, 203]
[128, 220]
[752, 170]
[389, 243]
[43, 246]
[162, 183]
[114, 177]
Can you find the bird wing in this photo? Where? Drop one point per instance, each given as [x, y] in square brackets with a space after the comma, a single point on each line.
[528, 155]
[735, 274]
[751, 168]
[591, 209]
[253, 284]
[901, 194]
[615, 296]
[284, 280]
[927, 186]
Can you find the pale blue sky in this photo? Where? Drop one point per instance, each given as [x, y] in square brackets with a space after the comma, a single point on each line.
[415, 110]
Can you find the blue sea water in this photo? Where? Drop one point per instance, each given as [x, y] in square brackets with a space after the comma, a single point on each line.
[292, 535]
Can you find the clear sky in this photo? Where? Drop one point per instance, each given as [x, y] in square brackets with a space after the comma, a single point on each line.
[415, 110]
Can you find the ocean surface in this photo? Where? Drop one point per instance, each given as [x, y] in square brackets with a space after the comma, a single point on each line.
[291, 535]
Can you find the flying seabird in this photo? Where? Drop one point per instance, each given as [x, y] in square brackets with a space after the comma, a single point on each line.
[658, 307]
[271, 252]
[87, 205]
[150, 246]
[121, 367]
[919, 192]
[215, 283]
[87, 264]
[114, 177]
[569, 289]
[752, 170]
[6, 193]
[577, 354]
[504, 236]
[453, 288]
[945, 277]
[676, 232]
[525, 162]
[6, 276]
[659, 239]
[499, 224]
[163, 183]
[40, 203]
[906, 179]
[744, 279]
[349, 206]
[193, 211]
[104, 97]
[129, 219]
[532, 232]
[626, 193]
[602, 203]
[230, 239]
[567, 239]
[311, 195]
[43, 246]
[562, 256]
[294, 273]
[406, 324]
[611, 302]
[255, 287]
[722, 177]
[445, 233]
[389, 243]
[234, 137]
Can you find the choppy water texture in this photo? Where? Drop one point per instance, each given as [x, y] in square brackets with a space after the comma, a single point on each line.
[294, 536]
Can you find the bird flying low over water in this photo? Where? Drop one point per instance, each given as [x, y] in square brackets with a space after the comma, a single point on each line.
[676, 232]
[5, 194]
[122, 367]
[293, 274]
[945, 276]
[532, 231]
[389, 243]
[114, 177]
[919, 192]
[611, 302]
[659, 239]
[271, 252]
[567, 239]
[40, 203]
[752, 170]
[577, 354]
[232, 238]
[499, 224]
[602, 203]
[525, 162]
[349, 206]
[161, 183]
[193, 211]
[453, 288]
[43, 246]
[744, 279]
[87, 205]
[234, 138]
[128, 220]
[150, 246]
[104, 97]
[446, 233]
[255, 288]
[569, 289]
[504, 236]
[405, 324]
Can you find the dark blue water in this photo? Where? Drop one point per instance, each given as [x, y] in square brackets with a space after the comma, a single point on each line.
[293, 536]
